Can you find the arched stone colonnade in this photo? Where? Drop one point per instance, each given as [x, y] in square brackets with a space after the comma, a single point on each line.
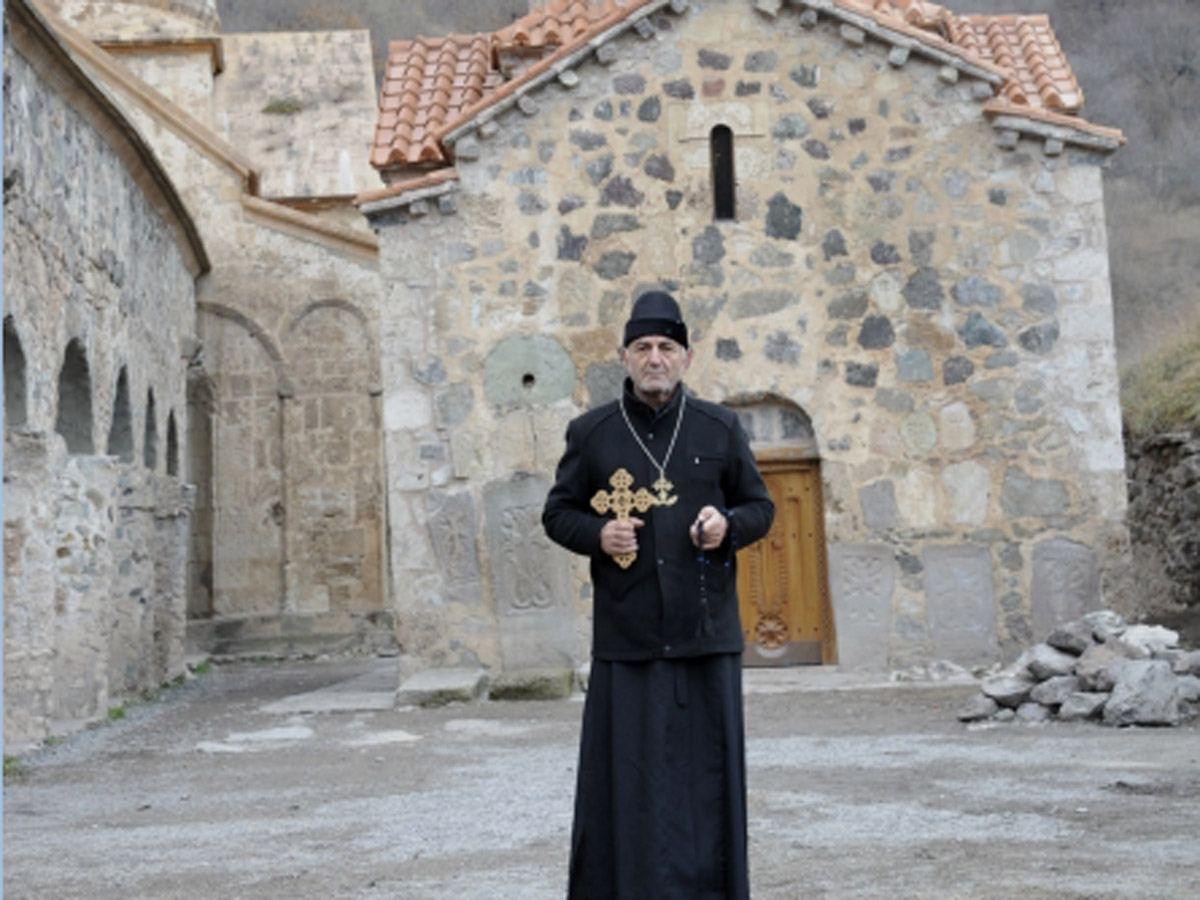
[286, 458]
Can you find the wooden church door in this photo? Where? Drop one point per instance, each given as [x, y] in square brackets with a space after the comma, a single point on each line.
[782, 582]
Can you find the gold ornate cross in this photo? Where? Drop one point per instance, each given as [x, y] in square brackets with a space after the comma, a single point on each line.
[621, 501]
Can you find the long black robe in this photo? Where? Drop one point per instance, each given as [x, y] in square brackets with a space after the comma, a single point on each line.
[660, 802]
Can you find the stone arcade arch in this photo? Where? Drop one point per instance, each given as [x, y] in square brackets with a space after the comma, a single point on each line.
[172, 445]
[150, 435]
[783, 582]
[15, 403]
[74, 420]
[120, 433]
[245, 531]
[332, 442]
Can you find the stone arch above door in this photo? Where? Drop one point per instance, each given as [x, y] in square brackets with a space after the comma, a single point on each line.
[770, 420]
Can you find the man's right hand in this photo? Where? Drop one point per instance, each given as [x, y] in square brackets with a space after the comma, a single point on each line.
[620, 536]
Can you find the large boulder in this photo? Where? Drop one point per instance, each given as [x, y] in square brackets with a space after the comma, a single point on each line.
[1073, 638]
[977, 708]
[1097, 668]
[1033, 712]
[1081, 705]
[1142, 641]
[1146, 692]
[1105, 624]
[1053, 691]
[1189, 688]
[1046, 662]
[1007, 690]
[1188, 664]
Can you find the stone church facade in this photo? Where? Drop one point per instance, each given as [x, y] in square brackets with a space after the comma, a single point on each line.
[274, 388]
[885, 224]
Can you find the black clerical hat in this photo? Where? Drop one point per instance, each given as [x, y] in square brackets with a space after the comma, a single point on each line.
[656, 312]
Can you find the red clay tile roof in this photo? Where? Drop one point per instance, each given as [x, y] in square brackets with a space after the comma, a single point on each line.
[560, 23]
[1026, 47]
[428, 82]
[434, 85]
[1022, 46]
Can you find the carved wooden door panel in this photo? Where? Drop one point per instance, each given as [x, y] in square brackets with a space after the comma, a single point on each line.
[782, 583]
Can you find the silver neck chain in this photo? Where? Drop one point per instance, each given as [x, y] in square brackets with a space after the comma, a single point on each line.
[662, 467]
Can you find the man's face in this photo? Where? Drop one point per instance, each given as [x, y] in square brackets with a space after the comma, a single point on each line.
[655, 364]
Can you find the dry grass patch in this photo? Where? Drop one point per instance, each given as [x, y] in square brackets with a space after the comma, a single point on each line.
[1162, 392]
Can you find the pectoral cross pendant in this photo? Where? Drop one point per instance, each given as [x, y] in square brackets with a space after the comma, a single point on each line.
[621, 501]
[663, 488]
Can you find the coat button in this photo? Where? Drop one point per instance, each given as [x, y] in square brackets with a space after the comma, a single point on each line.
[660, 562]
[667, 648]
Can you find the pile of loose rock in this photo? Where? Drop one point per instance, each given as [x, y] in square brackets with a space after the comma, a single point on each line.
[1098, 667]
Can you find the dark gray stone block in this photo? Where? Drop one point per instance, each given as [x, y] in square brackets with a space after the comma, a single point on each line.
[861, 375]
[587, 140]
[956, 370]
[614, 264]
[711, 59]
[1039, 339]
[709, 246]
[571, 246]
[680, 89]
[876, 333]
[884, 254]
[924, 290]
[659, 166]
[976, 291]
[619, 191]
[790, 127]
[979, 332]
[848, 306]
[606, 224]
[833, 244]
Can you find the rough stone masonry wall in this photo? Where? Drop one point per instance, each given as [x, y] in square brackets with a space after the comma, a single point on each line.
[937, 305]
[88, 259]
[289, 478]
[1164, 519]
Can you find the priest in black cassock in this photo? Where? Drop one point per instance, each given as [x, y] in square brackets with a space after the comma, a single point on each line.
[659, 489]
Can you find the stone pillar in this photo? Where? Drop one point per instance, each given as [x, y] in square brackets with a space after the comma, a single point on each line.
[84, 530]
[128, 614]
[173, 508]
[29, 585]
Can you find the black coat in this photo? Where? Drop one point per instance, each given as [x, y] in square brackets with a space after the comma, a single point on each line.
[672, 602]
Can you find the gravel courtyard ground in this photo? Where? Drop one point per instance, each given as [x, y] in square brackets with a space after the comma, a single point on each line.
[225, 787]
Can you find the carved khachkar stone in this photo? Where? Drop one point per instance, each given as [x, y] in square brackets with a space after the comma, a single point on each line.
[1066, 583]
[531, 583]
[452, 527]
[961, 603]
[861, 579]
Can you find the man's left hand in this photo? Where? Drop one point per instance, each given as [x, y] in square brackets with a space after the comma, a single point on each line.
[713, 533]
